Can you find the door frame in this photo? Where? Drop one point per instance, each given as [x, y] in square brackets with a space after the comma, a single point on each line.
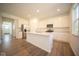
[6, 19]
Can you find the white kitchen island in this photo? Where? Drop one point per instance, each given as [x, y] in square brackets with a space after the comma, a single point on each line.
[41, 40]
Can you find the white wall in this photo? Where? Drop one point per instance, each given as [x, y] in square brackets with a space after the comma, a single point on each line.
[33, 23]
[74, 40]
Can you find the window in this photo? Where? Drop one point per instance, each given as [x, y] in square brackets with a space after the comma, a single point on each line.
[75, 19]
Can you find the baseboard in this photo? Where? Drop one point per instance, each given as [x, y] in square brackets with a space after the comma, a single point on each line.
[73, 50]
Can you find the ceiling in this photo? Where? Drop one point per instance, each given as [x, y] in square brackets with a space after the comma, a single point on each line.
[38, 10]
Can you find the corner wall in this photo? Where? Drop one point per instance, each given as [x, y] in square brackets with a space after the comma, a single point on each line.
[74, 40]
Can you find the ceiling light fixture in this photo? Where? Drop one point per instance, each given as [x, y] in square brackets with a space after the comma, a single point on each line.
[37, 11]
[58, 10]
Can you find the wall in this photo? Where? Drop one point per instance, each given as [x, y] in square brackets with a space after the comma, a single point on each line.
[0, 27]
[74, 43]
[17, 23]
[74, 40]
[33, 24]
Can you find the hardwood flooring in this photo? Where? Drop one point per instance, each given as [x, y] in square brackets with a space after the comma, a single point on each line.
[19, 47]
[61, 49]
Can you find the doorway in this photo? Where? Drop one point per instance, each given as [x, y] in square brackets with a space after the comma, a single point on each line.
[7, 27]
[6, 34]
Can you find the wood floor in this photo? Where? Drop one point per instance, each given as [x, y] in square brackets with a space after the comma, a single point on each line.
[61, 49]
[19, 47]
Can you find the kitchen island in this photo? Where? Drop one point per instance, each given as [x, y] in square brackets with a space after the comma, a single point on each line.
[41, 40]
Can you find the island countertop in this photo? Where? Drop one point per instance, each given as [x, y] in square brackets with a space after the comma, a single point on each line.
[41, 33]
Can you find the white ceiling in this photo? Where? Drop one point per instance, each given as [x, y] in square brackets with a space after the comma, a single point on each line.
[28, 10]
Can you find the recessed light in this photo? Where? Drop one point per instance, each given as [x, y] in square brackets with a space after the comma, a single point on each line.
[37, 10]
[58, 10]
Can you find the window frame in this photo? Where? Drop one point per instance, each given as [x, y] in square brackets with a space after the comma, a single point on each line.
[75, 19]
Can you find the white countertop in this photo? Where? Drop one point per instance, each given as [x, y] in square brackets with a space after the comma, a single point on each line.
[42, 33]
